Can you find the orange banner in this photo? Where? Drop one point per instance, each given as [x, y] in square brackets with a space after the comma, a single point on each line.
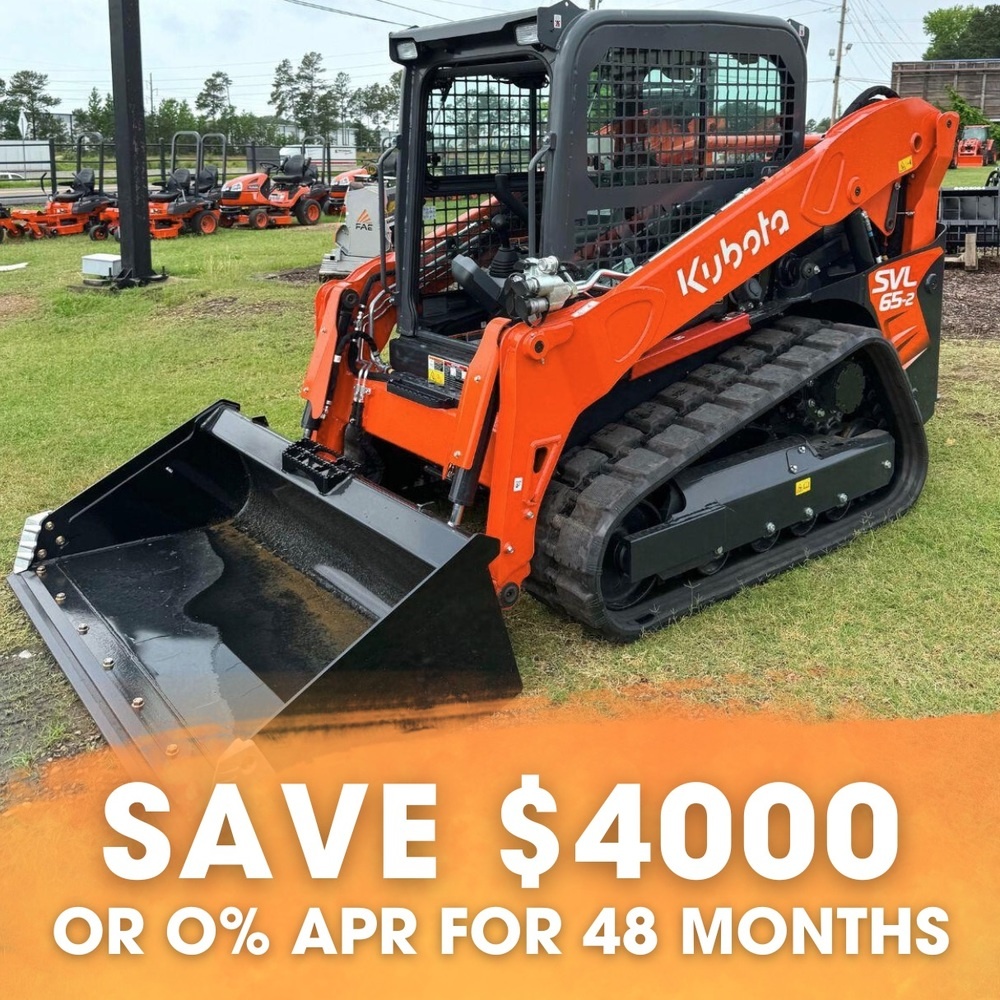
[939, 894]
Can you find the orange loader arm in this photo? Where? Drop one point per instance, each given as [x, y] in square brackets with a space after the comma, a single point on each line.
[576, 355]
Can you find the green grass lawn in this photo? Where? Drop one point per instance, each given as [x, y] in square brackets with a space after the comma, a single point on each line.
[902, 622]
[967, 176]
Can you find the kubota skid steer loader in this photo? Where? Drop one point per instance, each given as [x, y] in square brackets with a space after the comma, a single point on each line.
[663, 344]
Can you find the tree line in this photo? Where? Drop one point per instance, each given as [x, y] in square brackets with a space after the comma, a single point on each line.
[300, 95]
[963, 32]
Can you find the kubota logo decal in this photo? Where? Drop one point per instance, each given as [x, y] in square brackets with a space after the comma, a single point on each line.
[890, 288]
[364, 221]
[704, 274]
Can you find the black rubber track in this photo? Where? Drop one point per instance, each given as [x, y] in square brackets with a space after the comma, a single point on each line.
[597, 485]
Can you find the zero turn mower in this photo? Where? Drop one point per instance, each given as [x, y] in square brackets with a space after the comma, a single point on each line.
[76, 209]
[187, 202]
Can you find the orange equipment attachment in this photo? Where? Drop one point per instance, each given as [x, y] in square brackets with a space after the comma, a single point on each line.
[650, 339]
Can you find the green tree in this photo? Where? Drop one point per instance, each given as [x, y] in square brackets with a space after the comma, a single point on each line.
[26, 92]
[946, 27]
[284, 89]
[8, 115]
[97, 116]
[171, 116]
[969, 114]
[818, 125]
[310, 90]
[213, 101]
[376, 110]
[981, 37]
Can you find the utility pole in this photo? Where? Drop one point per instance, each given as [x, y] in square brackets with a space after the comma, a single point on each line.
[840, 54]
[130, 143]
[152, 107]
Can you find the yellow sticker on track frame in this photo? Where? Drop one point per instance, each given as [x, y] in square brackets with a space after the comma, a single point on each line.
[803, 486]
[906, 163]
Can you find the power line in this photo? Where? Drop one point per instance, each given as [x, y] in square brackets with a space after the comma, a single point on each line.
[346, 13]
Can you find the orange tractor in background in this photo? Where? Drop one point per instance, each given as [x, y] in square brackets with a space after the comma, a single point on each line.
[975, 148]
[265, 199]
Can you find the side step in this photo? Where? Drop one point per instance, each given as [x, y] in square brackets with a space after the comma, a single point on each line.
[597, 499]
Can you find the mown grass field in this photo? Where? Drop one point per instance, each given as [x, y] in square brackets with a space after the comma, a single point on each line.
[967, 177]
[902, 622]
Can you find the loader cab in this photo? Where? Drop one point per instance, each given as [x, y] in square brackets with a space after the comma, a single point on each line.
[594, 137]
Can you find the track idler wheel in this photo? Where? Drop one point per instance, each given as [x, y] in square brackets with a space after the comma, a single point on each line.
[618, 591]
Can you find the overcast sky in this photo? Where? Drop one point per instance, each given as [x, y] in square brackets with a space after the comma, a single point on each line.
[183, 41]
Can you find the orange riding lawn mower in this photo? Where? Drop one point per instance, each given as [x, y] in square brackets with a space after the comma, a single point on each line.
[187, 202]
[266, 199]
[638, 345]
[69, 212]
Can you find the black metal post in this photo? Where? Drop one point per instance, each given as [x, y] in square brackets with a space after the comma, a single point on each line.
[130, 142]
[52, 163]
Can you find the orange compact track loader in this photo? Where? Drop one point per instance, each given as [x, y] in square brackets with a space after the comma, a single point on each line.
[266, 199]
[79, 207]
[657, 344]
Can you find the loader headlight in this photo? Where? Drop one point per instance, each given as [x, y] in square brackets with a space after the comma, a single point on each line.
[406, 51]
[527, 34]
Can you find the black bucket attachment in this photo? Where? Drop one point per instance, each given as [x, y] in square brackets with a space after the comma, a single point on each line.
[201, 595]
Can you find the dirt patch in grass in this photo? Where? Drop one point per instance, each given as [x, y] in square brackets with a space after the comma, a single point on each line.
[229, 307]
[41, 719]
[971, 300]
[15, 306]
[296, 276]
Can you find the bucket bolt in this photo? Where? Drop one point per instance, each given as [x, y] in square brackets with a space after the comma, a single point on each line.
[808, 512]
[108, 662]
[172, 750]
[770, 528]
[60, 540]
[841, 499]
[137, 703]
[50, 525]
[83, 628]
[60, 597]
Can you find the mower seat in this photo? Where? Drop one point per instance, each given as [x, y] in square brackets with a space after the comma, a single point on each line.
[293, 170]
[208, 179]
[82, 184]
[177, 186]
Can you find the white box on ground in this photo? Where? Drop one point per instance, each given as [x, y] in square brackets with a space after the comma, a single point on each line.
[103, 265]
